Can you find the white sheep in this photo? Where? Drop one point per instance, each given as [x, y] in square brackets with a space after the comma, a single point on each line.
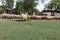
[24, 17]
[57, 17]
[17, 16]
[4, 15]
[28, 17]
[9, 16]
[50, 17]
[38, 17]
[12, 16]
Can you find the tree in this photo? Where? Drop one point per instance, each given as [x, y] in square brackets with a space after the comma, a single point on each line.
[53, 4]
[1, 9]
[43, 1]
[26, 6]
[3, 4]
[9, 3]
[19, 7]
[29, 5]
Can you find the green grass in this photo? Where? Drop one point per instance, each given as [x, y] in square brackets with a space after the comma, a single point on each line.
[29, 30]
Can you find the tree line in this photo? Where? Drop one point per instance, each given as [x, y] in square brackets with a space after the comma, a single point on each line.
[21, 5]
[27, 5]
[54, 4]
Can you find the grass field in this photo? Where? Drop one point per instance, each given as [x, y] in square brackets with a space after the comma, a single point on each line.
[29, 30]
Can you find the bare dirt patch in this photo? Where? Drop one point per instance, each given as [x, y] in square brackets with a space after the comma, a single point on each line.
[19, 20]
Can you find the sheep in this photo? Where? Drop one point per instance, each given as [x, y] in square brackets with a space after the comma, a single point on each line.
[4, 15]
[50, 17]
[57, 17]
[28, 17]
[38, 17]
[13, 16]
[17, 16]
[9, 16]
[24, 17]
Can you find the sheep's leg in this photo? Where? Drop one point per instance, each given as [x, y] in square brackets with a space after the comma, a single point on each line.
[6, 17]
[26, 19]
[22, 19]
[40, 18]
[11, 17]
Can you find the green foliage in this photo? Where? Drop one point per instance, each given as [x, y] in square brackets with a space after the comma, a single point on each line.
[1, 9]
[9, 3]
[19, 7]
[30, 5]
[54, 4]
[26, 6]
